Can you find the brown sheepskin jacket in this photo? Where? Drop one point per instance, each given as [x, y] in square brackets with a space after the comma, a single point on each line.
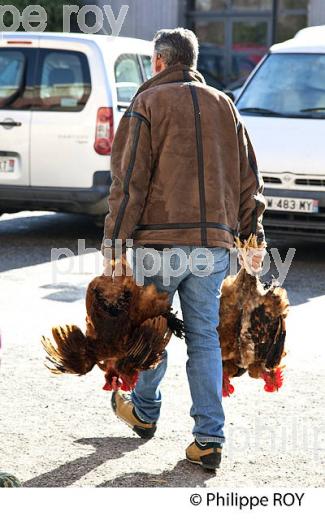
[184, 171]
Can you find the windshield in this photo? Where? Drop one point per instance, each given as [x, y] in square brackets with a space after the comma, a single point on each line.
[287, 85]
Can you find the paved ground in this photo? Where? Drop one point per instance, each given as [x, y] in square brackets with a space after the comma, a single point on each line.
[60, 431]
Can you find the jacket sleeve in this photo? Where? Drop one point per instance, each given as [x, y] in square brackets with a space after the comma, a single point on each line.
[252, 201]
[131, 166]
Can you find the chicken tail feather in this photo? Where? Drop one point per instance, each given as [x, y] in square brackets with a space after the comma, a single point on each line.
[146, 346]
[276, 352]
[175, 324]
[70, 354]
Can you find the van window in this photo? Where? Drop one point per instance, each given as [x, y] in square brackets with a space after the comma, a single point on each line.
[63, 82]
[13, 64]
[128, 77]
[147, 67]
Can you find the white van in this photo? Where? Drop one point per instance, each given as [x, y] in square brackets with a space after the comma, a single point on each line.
[61, 99]
[283, 107]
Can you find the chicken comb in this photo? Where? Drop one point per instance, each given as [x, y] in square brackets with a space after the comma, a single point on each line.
[273, 380]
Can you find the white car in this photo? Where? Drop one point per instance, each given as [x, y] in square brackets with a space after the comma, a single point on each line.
[61, 99]
[283, 107]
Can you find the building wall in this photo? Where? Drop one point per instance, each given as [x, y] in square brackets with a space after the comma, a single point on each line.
[145, 17]
[317, 12]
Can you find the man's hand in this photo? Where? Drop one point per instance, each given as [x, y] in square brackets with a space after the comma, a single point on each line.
[110, 266]
[252, 260]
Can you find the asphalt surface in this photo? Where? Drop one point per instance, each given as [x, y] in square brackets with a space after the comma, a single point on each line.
[60, 431]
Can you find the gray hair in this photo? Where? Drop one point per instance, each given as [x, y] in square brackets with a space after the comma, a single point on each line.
[177, 46]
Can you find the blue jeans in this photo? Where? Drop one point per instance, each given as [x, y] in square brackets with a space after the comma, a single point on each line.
[200, 299]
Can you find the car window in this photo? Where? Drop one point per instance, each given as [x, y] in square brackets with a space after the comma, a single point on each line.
[288, 85]
[12, 72]
[212, 67]
[128, 77]
[63, 82]
[147, 68]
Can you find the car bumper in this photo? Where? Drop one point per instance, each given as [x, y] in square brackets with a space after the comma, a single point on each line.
[286, 223]
[75, 200]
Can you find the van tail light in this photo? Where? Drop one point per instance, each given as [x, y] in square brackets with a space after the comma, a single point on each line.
[104, 131]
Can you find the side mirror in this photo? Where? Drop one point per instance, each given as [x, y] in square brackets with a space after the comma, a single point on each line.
[230, 94]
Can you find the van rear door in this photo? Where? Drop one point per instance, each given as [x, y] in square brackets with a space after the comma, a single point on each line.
[16, 91]
[69, 91]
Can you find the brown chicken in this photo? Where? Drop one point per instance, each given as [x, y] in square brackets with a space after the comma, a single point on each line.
[127, 330]
[252, 327]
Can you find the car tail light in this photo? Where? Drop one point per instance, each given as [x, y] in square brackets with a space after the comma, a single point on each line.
[104, 131]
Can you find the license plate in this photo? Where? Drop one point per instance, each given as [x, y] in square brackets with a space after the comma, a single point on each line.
[7, 165]
[295, 205]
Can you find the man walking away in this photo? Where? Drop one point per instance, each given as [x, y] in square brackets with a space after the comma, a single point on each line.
[184, 177]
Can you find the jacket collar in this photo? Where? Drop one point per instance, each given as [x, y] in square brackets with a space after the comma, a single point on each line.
[173, 74]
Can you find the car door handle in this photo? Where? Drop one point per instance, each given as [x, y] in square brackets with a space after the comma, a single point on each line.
[10, 123]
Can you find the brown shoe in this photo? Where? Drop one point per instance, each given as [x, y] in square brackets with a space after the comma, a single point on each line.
[207, 455]
[124, 410]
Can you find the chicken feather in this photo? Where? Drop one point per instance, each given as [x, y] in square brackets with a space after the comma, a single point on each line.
[127, 330]
[252, 325]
